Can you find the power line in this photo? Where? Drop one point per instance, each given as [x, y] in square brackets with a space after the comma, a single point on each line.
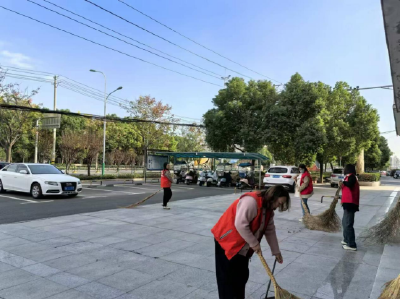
[75, 86]
[93, 117]
[107, 47]
[155, 49]
[188, 38]
[164, 39]
[110, 35]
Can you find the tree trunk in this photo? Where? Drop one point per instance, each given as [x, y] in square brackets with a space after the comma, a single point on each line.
[331, 166]
[360, 162]
[97, 161]
[9, 153]
[321, 167]
[89, 165]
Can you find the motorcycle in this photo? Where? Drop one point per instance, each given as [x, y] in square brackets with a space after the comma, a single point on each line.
[246, 176]
[190, 177]
[212, 178]
[180, 169]
[226, 180]
[202, 178]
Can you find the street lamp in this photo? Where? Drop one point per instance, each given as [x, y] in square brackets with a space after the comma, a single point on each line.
[105, 113]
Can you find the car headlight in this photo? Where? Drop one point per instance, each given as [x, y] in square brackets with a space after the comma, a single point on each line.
[51, 183]
[79, 182]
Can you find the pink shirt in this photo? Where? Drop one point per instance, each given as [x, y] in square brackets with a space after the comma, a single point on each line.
[245, 213]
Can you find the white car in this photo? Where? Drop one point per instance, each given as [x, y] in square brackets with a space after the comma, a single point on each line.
[282, 175]
[38, 180]
[336, 176]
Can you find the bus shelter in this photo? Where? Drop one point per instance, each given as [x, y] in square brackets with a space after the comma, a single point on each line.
[219, 155]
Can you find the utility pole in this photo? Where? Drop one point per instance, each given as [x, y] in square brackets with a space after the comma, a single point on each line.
[53, 154]
[36, 141]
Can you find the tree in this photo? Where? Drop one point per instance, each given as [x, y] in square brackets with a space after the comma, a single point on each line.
[14, 123]
[45, 145]
[92, 143]
[295, 129]
[378, 155]
[190, 140]
[23, 153]
[122, 136]
[70, 147]
[237, 121]
[152, 134]
[119, 157]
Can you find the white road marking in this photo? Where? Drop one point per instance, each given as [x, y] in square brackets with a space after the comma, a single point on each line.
[15, 198]
[37, 202]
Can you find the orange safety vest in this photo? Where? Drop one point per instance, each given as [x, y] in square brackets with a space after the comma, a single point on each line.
[165, 183]
[225, 232]
[351, 195]
[309, 189]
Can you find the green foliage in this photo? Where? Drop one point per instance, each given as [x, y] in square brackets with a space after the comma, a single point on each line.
[237, 121]
[369, 177]
[190, 140]
[378, 155]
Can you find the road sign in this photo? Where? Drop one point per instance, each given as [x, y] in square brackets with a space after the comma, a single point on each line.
[50, 121]
[156, 162]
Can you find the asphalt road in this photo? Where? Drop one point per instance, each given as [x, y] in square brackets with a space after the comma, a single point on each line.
[17, 207]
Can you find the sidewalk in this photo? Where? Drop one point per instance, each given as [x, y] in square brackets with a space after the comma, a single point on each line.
[148, 252]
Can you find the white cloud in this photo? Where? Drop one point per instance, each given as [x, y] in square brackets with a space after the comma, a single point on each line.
[16, 59]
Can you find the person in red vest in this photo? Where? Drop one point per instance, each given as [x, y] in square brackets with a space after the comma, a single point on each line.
[238, 234]
[350, 203]
[306, 188]
[166, 181]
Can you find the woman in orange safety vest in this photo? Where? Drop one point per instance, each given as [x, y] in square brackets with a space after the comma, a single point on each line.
[166, 181]
[238, 234]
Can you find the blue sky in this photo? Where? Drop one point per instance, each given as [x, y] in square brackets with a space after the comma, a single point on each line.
[327, 41]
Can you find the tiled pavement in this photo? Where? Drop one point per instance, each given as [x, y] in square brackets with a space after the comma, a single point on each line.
[148, 252]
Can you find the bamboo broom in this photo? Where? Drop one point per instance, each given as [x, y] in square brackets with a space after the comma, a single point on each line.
[386, 231]
[280, 293]
[141, 201]
[327, 221]
[391, 290]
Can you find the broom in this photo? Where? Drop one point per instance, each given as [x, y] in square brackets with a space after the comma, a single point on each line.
[280, 293]
[387, 231]
[141, 201]
[327, 221]
[391, 290]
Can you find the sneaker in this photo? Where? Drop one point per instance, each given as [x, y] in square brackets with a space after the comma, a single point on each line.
[301, 220]
[165, 207]
[343, 243]
[345, 247]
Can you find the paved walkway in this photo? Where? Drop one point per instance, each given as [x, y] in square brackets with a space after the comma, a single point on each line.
[148, 252]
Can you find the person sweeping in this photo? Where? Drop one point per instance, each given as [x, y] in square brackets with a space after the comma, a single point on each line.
[306, 188]
[350, 202]
[166, 181]
[238, 234]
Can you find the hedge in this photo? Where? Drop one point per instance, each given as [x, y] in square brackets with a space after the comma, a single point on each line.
[369, 177]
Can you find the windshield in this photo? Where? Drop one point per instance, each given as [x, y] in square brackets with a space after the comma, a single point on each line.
[278, 170]
[44, 169]
[337, 171]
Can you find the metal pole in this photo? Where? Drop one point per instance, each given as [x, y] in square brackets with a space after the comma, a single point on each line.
[105, 125]
[53, 154]
[36, 141]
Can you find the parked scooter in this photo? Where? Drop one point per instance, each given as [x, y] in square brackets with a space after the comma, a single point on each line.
[246, 175]
[202, 178]
[180, 170]
[191, 177]
[226, 180]
[212, 178]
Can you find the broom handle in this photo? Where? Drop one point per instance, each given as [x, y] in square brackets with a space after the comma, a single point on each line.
[141, 201]
[269, 284]
[270, 274]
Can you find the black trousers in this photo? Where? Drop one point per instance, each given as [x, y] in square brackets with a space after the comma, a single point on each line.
[348, 228]
[232, 275]
[167, 196]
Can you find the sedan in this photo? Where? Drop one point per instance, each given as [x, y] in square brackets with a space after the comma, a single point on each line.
[39, 180]
[282, 175]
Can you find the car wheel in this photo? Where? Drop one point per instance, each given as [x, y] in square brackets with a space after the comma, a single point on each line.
[2, 190]
[36, 191]
[332, 185]
[293, 188]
